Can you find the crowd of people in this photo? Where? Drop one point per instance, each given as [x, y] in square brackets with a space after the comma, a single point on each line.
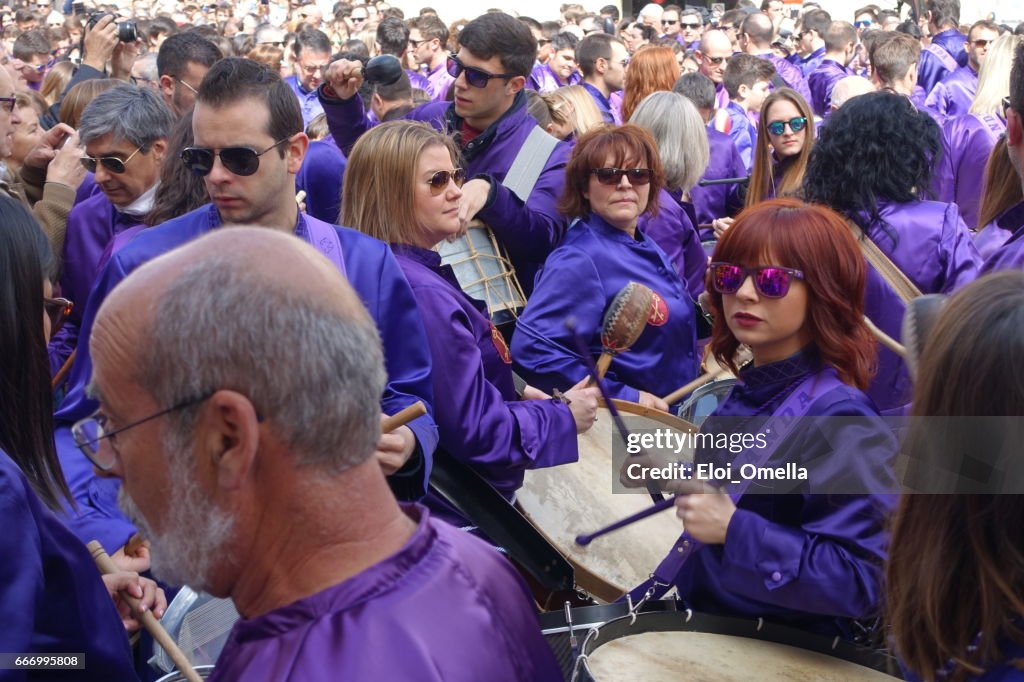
[221, 272]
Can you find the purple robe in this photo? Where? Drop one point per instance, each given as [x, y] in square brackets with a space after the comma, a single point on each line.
[810, 63]
[438, 83]
[604, 105]
[1010, 255]
[418, 80]
[953, 96]
[372, 271]
[530, 230]
[480, 419]
[919, 99]
[743, 133]
[809, 559]
[945, 54]
[52, 599]
[579, 280]
[721, 96]
[967, 142]
[543, 79]
[821, 81]
[792, 75]
[308, 101]
[674, 231]
[321, 176]
[718, 201]
[991, 237]
[445, 608]
[87, 188]
[929, 242]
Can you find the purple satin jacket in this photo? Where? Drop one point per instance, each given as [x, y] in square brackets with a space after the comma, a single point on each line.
[953, 96]
[579, 280]
[991, 237]
[604, 105]
[418, 80]
[543, 79]
[308, 102]
[967, 142]
[821, 81]
[929, 242]
[811, 560]
[718, 201]
[675, 232]
[321, 177]
[941, 58]
[446, 608]
[529, 231]
[480, 419]
[743, 133]
[810, 63]
[438, 82]
[1010, 255]
[791, 74]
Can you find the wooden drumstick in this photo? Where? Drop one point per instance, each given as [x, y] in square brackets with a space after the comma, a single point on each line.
[403, 417]
[886, 340]
[64, 369]
[623, 322]
[148, 620]
[689, 388]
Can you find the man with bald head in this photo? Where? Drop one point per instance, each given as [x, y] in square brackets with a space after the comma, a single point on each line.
[713, 57]
[848, 88]
[252, 474]
[755, 38]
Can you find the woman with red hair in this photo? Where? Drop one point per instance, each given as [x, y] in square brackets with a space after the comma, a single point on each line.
[652, 69]
[787, 281]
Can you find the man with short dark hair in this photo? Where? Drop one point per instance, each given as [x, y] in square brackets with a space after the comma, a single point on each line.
[393, 39]
[560, 69]
[603, 60]
[756, 39]
[670, 22]
[776, 11]
[894, 59]
[748, 81]
[946, 51]
[428, 40]
[32, 49]
[840, 49]
[181, 65]
[311, 51]
[390, 102]
[812, 40]
[489, 119]
[952, 96]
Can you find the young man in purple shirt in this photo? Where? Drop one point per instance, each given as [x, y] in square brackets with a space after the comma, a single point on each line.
[894, 60]
[748, 82]
[840, 49]
[812, 39]
[603, 59]
[560, 69]
[428, 40]
[312, 51]
[946, 51]
[393, 39]
[952, 96]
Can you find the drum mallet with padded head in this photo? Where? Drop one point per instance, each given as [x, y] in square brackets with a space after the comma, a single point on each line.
[623, 322]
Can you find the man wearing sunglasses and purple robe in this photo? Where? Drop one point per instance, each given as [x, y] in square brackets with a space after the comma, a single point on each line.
[953, 96]
[253, 475]
[124, 131]
[489, 120]
[249, 147]
[946, 51]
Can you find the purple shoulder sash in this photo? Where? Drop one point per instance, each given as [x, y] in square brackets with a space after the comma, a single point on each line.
[943, 56]
[993, 125]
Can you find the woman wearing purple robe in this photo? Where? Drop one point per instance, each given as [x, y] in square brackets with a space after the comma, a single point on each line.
[870, 164]
[786, 281]
[402, 187]
[785, 137]
[1001, 211]
[52, 598]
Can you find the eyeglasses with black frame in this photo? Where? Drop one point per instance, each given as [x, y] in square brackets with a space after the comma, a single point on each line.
[8, 103]
[89, 433]
[111, 163]
[613, 176]
[439, 181]
[771, 281]
[242, 161]
[478, 78]
[795, 124]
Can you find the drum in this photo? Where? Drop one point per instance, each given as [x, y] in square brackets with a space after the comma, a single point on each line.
[204, 671]
[567, 500]
[665, 643]
[705, 399]
[199, 624]
[484, 271]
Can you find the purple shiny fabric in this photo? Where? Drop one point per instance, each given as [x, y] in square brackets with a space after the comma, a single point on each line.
[721, 96]
[308, 101]
[438, 82]
[1010, 255]
[821, 81]
[935, 66]
[543, 79]
[791, 74]
[967, 142]
[480, 419]
[808, 559]
[675, 232]
[418, 80]
[718, 201]
[743, 133]
[953, 96]
[604, 105]
[445, 608]
[929, 242]
[579, 280]
[810, 63]
[321, 177]
[919, 99]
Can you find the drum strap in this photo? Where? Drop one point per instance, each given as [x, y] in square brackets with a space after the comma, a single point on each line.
[890, 272]
[940, 53]
[782, 423]
[529, 162]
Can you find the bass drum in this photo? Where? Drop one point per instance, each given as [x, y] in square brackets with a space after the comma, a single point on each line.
[565, 501]
[705, 400]
[663, 644]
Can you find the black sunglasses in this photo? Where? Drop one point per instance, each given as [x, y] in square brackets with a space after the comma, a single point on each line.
[795, 124]
[715, 61]
[439, 181]
[691, 26]
[242, 161]
[613, 176]
[478, 78]
[57, 309]
[111, 163]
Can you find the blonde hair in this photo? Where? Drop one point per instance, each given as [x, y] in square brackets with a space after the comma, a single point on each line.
[56, 82]
[679, 131]
[378, 197]
[994, 76]
[573, 104]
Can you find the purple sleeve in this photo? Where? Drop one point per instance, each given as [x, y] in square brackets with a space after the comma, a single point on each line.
[346, 119]
[930, 71]
[938, 101]
[961, 260]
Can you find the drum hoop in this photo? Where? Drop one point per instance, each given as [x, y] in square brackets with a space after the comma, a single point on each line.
[627, 408]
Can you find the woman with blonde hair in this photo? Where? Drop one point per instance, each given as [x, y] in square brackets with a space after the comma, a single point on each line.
[651, 69]
[56, 82]
[573, 112]
[678, 131]
[785, 137]
[967, 141]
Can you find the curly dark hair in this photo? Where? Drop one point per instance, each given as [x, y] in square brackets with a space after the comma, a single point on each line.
[877, 146]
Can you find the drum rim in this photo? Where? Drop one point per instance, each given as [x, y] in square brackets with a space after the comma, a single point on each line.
[638, 410]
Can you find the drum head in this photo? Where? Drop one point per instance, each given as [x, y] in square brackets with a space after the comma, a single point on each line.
[705, 399]
[572, 499]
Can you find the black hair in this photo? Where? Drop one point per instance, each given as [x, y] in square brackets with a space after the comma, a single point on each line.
[697, 88]
[911, 28]
[393, 36]
[498, 34]
[564, 41]
[531, 23]
[311, 40]
[180, 190]
[1017, 80]
[26, 400]
[30, 44]
[1019, 31]
[944, 12]
[850, 170]
[234, 79]
[180, 49]
[817, 20]
[356, 48]
[161, 25]
[593, 47]
[611, 11]
[399, 90]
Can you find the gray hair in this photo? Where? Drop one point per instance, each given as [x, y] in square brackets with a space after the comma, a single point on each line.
[146, 66]
[313, 372]
[680, 134]
[126, 112]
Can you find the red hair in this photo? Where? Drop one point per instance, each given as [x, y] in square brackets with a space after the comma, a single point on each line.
[652, 69]
[817, 241]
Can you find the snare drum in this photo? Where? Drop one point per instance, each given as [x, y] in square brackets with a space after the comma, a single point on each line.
[705, 399]
[484, 271]
[665, 643]
[199, 624]
[567, 500]
[204, 671]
